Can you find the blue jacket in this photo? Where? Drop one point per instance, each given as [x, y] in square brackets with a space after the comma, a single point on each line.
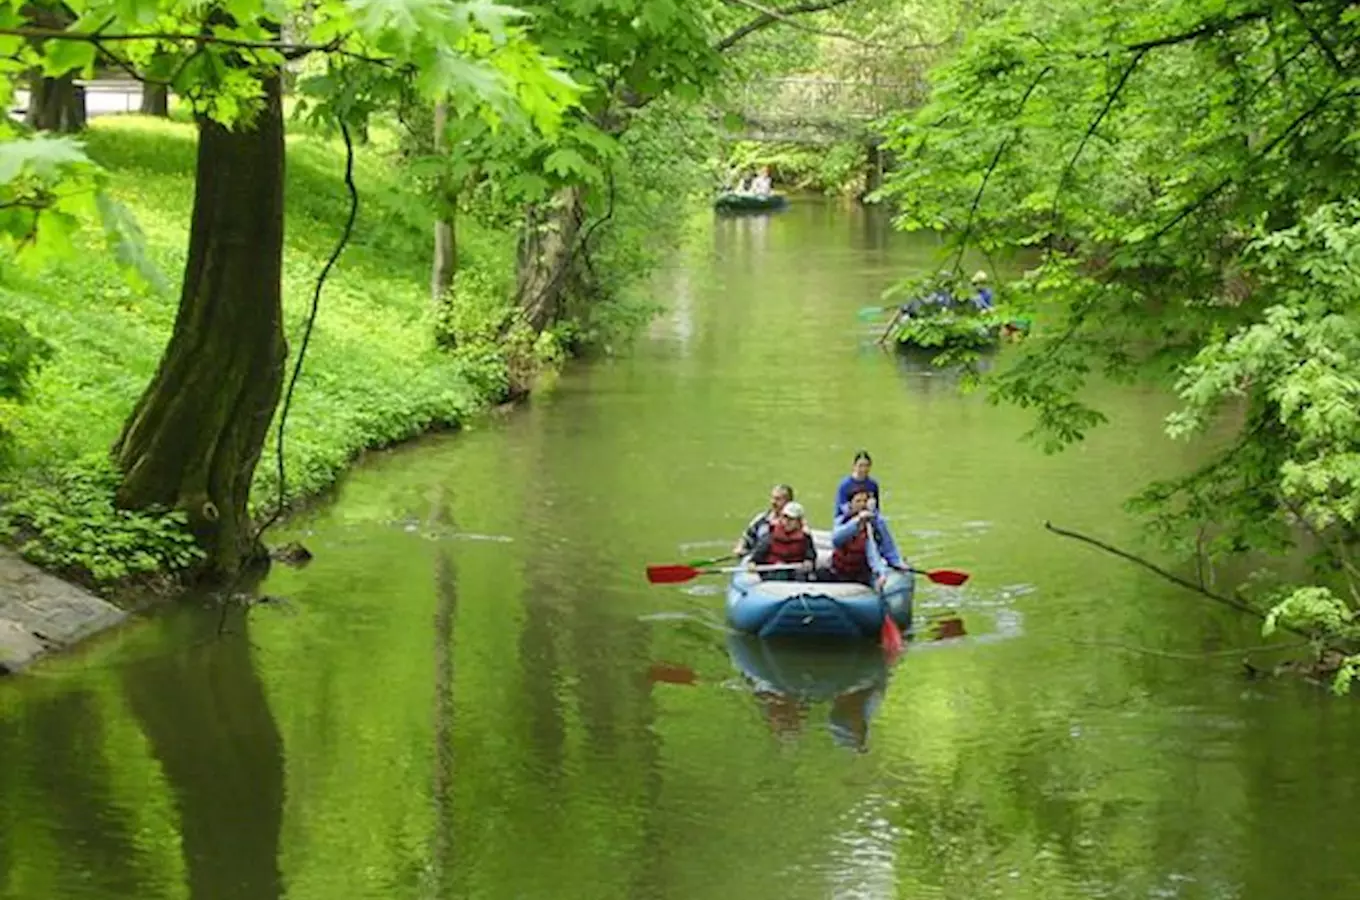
[882, 550]
[847, 485]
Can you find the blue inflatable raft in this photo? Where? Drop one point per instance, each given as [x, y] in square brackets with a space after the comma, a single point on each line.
[815, 608]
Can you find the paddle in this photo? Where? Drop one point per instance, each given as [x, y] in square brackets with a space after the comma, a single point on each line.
[890, 636]
[680, 574]
[703, 563]
[869, 312]
[951, 577]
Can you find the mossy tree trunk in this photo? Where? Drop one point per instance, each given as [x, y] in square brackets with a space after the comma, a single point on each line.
[547, 251]
[155, 100]
[195, 437]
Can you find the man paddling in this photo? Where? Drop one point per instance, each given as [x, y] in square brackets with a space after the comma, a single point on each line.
[787, 541]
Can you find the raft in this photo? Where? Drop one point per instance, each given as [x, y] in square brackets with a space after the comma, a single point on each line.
[817, 608]
[735, 201]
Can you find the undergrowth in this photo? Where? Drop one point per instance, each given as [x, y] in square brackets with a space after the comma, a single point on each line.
[373, 374]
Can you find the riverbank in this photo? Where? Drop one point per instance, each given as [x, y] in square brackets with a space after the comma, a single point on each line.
[373, 375]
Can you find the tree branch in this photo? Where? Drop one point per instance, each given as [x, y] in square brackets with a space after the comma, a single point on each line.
[1215, 25]
[1236, 603]
[1317, 38]
[996, 158]
[1090, 130]
[288, 50]
[787, 19]
[770, 17]
[1172, 654]
[1328, 96]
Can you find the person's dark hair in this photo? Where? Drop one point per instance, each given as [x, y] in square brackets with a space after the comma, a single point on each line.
[785, 489]
[864, 455]
[861, 490]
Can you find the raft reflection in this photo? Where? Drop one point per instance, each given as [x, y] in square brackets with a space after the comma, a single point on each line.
[788, 677]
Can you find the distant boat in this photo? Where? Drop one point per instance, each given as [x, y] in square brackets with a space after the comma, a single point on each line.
[740, 201]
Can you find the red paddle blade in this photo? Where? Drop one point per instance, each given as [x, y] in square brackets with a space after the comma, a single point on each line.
[947, 576]
[671, 574]
[890, 636]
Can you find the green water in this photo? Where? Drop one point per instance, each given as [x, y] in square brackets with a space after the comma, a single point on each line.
[472, 692]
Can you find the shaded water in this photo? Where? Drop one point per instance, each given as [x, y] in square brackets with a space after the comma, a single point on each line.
[472, 692]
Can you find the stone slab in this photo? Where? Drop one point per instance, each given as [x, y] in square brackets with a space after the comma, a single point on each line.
[40, 613]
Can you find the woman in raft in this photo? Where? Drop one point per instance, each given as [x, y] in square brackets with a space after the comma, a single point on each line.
[858, 478]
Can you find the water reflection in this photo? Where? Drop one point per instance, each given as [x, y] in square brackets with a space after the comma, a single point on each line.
[203, 709]
[788, 677]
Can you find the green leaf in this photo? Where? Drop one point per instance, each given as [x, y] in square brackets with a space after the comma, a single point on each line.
[43, 155]
[63, 56]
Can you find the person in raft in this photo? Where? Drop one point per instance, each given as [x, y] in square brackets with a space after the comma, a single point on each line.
[858, 478]
[787, 541]
[853, 556]
[760, 524]
[983, 298]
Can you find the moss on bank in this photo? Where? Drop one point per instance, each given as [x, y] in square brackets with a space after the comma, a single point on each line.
[373, 375]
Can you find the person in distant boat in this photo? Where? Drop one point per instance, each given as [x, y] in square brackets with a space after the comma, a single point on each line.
[760, 524]
[983, 298]
[761, 184]
[853, 556]
[858, 477]
[787, 541]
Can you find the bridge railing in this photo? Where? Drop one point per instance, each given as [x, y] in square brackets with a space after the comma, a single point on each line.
[817, 98]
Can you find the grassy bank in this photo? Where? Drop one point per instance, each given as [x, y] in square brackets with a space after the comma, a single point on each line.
[373, 375]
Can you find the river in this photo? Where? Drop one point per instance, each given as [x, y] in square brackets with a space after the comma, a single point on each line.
[472, 691]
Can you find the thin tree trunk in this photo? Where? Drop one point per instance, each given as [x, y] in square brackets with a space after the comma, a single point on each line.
[445, 242]
[155, 100]
[546, 253]
[195, 437]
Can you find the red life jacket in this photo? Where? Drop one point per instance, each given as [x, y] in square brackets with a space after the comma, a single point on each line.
[786, 547]
[852, 557]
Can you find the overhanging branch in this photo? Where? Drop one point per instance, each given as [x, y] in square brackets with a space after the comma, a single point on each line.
[790, 20]
[771, 16]
[286, 49]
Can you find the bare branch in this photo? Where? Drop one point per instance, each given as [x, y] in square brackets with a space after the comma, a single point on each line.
[1172, 654]
[996, 158]
[770, 17]
[1090, 130]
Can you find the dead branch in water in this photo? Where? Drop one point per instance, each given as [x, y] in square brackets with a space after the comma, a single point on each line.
[1236, 603]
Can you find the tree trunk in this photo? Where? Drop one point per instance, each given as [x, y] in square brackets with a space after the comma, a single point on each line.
[155, 100]
[546, 252]
[56, 104]
[194, 438]
[445, 242]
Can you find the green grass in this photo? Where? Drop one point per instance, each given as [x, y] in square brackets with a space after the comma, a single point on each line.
[372, 376]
